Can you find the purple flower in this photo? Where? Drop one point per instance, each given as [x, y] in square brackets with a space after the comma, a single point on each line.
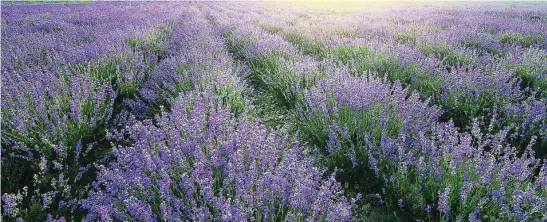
[444, 201]
[379, 199]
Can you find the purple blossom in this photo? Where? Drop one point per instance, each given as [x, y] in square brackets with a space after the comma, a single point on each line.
[444, 201]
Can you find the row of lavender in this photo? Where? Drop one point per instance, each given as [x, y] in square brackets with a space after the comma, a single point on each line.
[439, 54]
[373, 127]
[206, 160]
[151, 124]
[59, 96]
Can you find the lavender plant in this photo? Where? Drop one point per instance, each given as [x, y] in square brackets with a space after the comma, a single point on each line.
[201, 163]
[422, 166]
[52, 125]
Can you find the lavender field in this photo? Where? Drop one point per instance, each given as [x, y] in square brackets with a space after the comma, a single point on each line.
[274, 111]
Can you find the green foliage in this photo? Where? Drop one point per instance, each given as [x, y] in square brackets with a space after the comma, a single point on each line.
[461, 106]
[315, 48]
[532, 71]
[235, 47]
[133, 42]
[156, 42]
[104, 72]
[350, 152]
[489, 30]
[360, 59]
[317, 127]
[284, 84]
[447, 54]
[468, 43]
[524, 40]
[231, 96]
[536, 18]
[346, 54]
[427, 85]
[345, 33]
[273, 29]
[363, 60]
[112, 70]
[185, 85]
[278, 87]
[530, 78]
[405, 38]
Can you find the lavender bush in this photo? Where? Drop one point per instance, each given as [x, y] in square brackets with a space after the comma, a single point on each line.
[52, 126]
[417, 160]
[201, 163]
